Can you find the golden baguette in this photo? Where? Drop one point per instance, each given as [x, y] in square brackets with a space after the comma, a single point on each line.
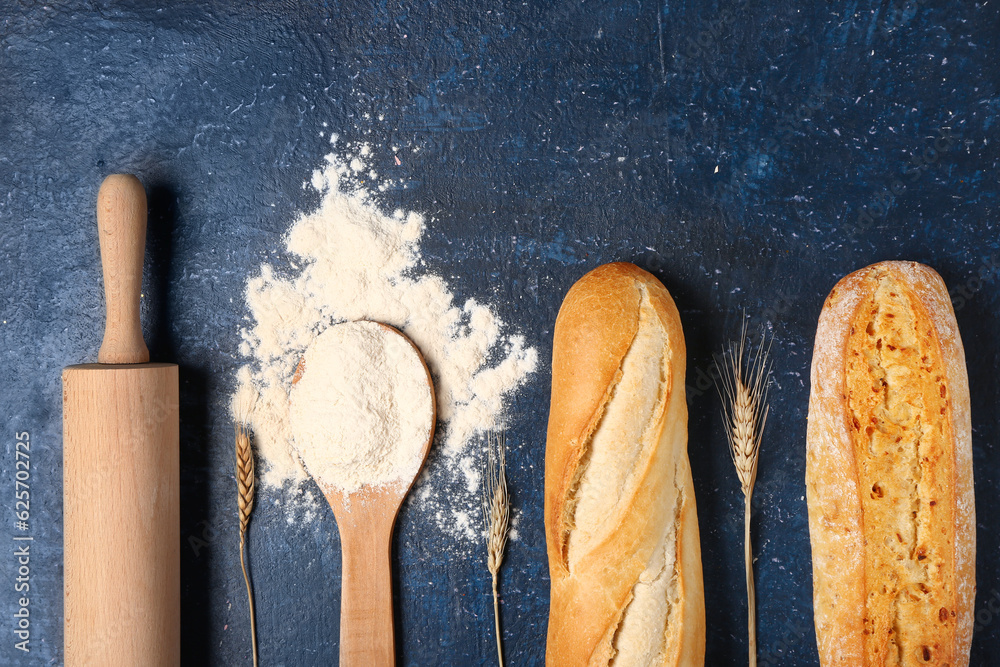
[889, 473]
[620, 519]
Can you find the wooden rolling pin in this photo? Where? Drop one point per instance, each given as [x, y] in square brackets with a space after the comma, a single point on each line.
[121, 504]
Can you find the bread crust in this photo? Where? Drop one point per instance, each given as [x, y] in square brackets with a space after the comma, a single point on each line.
[595, 329]
[862, 615]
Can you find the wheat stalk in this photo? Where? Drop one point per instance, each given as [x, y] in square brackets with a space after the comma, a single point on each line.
[496, 515]
[246, 490]
[743, 386]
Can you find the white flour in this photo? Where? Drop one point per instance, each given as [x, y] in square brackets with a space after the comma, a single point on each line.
[358, 263]
[362, 410]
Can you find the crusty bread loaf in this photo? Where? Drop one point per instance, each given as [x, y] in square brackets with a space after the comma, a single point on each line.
[620, 519]
[889, 473]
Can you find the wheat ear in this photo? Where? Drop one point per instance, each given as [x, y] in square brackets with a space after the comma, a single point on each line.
[743, 386]
[496, 515]
[246, 489]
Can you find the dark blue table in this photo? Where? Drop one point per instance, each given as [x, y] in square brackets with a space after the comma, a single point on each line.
[749, 154]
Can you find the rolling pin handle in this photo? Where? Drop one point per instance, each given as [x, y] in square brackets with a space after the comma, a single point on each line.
[121, 225]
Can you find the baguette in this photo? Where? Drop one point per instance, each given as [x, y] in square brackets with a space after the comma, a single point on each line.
[889, 473]
[620, 519]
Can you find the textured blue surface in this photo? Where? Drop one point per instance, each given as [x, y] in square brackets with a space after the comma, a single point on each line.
[747, 153]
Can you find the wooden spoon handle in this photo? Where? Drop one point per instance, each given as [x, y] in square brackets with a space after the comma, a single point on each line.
[366, 625]
[121, 226]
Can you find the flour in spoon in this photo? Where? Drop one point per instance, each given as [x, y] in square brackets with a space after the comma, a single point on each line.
[361, 411]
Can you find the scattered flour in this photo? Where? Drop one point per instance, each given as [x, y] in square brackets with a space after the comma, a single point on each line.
[355, 262]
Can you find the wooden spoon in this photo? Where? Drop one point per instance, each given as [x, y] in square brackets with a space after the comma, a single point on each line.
[365, 519]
